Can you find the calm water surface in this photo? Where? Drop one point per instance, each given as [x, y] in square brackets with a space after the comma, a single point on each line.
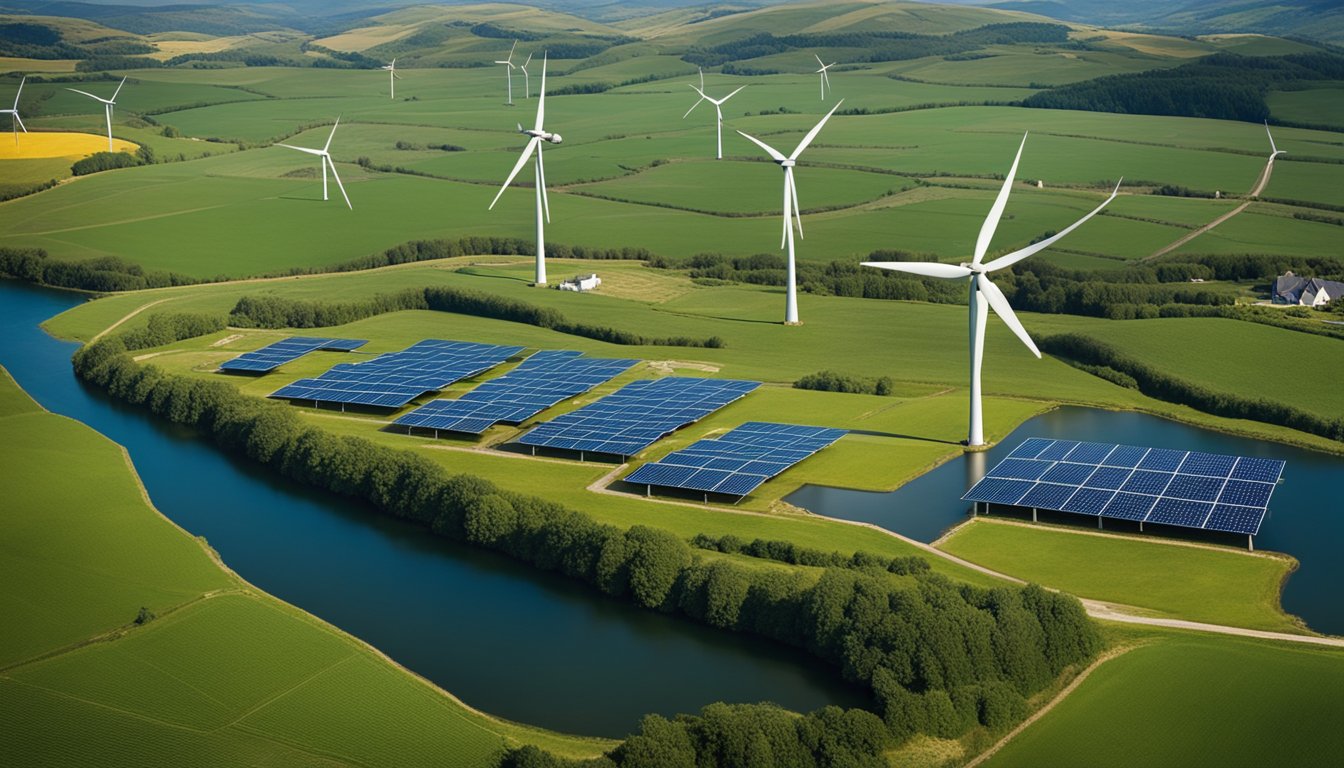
[1305, 520]
[522, 645]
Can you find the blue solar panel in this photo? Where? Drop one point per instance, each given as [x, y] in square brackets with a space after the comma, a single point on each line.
[635, 416]
[272, 356]
[740, 460]
[541, 381]
[393, 379]
[1154, 485]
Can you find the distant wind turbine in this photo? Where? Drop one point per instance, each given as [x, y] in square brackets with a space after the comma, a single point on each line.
[825, 78]
[108, 105]
[537, 136]
[718, 110]
[16, 123]
[791, 211]
[984, 294]
[392, 78]
[326, 161]
[509, 66]
[1274, 151]
[527, 82]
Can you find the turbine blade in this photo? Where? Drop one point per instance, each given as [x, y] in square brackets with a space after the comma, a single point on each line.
[921, 268]
[20, 122]
[114, 93]
[86, 93]
[522, 160]
[812, 134]
[317, 152]
[999, 304]
[25, 79]
[529, 60]
[702, 77]
[333, 134]
[769, 149]
[729, 96]
[797, 211]
[788, 211]
[541, 179]
[693, 106]
[1273, 149]
[825, 76]
[996, 211]
[337, 177]
[820, 63]
[1016, 256]
[541, 97]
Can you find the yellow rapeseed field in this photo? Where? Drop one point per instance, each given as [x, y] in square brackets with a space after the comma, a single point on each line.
[36, 146]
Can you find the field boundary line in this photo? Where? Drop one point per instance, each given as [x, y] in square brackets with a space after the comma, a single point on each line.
[126, 317]
[1113, 653]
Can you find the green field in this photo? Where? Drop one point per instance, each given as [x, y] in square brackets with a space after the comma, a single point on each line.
[1215, 586]
[1195, 701]
[224, 676]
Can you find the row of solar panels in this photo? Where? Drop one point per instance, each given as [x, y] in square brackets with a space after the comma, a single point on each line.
[1152, 485]
[273, 356]
[738, 462]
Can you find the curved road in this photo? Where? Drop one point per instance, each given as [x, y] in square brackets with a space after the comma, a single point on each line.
[1254, 195]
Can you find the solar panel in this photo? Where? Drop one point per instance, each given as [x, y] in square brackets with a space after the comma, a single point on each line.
[541, 381]
[637, 415]
[737, 462]
[1125, 482]
[394, 379]
[272, 356]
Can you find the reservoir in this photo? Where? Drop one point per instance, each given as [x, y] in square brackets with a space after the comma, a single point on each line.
[514, 642]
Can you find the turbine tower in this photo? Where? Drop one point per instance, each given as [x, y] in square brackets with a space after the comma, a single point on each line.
[825, 78]
[16, 123]
[527, 81]
[984, 294]
[791, 211]
[326, 161]
[392, 78]
[536, 137]
[508, 70]
[108, 105]
[718, 110]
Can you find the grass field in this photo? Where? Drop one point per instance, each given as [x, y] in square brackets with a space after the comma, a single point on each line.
[1195, 701]
[224, 676]
[1215, 586]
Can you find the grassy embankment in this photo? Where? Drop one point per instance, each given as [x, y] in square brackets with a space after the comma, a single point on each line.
[225, 675]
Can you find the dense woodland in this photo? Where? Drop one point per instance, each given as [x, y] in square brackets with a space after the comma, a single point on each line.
[938, 657]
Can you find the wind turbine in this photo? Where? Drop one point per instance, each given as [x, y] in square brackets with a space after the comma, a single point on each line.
[537, 136]
[791, 210]
[508, 70]
[108, 104]
[1273, 150]
[984, 294]
[718, 110]
[14, 113]
[392, 78]
[325, 156]
[527, 82]
[825, 78]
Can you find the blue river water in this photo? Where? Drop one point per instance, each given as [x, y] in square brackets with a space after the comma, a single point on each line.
[1306, 517]
[523, 645]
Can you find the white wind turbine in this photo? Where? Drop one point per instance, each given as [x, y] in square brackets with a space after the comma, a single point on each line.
[984, 294]
[509, 66]
[537, 135]
[108, 105]
[14, 113]
[1273, 150]
[325, 156]
[718, 110]
[825, 78]
[791, 211]
[527, 82]
[392, 78]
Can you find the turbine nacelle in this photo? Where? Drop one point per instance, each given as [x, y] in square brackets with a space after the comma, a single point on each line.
[547, 136]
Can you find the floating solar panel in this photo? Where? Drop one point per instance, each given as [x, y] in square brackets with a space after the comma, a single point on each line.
[637, 415]
[1124, 482]
[542, 380]
[739, 461]
[273, 356]
[394, 379]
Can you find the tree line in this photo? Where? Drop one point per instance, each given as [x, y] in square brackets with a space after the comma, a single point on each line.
[830, 381]
[940, 657]
[1092, 355]
[268, 311]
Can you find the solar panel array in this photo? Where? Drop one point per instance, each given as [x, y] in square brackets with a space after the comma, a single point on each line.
[273, 356]
[739, 461]
[637, 415]
[394, 379]
[542, 380]
[1153, 485]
